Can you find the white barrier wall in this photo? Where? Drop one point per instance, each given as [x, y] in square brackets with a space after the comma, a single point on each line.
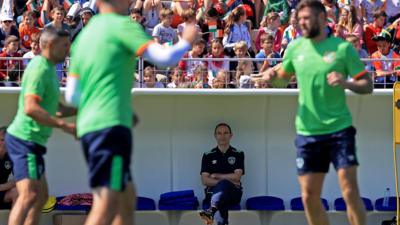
[177, 127]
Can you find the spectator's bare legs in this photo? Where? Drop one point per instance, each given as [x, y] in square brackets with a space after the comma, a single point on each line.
[26, 209]
[127, 204]
[311, 187]
[348, 185]
[104, 207]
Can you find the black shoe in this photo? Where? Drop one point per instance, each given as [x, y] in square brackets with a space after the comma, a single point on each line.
[207, 216]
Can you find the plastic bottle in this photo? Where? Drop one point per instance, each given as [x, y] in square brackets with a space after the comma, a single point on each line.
[386, 197]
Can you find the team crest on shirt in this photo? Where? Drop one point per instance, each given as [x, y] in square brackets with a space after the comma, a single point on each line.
[329, 57]
[300, 57]
[26, 37]
[231, 160]
[214, 162]
[7, 165]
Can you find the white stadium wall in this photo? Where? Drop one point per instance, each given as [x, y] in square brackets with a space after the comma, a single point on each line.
[177, 127]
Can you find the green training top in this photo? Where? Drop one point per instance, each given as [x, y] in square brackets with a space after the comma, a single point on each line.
[322, 108]
[39, 79]
[104, 58]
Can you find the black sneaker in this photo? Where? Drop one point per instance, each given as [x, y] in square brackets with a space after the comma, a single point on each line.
[207, 216]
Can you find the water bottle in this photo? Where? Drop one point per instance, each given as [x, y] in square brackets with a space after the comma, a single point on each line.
[386, 197]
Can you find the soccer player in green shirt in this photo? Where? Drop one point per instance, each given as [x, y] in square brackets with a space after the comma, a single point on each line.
[32, 126]
[99, 85]
[324, 67]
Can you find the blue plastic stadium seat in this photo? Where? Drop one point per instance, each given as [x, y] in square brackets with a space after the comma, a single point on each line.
[340, 205]
[178, 200]
[231, 207]
[145, 204]
[297, 205]
[265, 203]
[379, 204]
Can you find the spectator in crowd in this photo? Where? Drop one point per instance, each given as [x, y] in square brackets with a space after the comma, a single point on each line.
[221, 172]
[243, 72]
[392, 9]
[8, 191]
[137, 16]
[213, 66]
[373, 29]
[177, 79]
[189, 66]
[151, 14]
[394, 30]
[218, 83]
[35, 49]
[291, 32]
[27, 29]
[179, 7]
[240, 52]
[278, 6]
[267, 52]
[236, 30]
[58, 15]
[212, 26]
[368, 7]
[271, 25]
[348, 23]
[200, 74]
[149, 79]
[355, 41]
[387, 72]
[85, 15]
[11, 69]
[188, 16]
[7, 28]
[163, 33]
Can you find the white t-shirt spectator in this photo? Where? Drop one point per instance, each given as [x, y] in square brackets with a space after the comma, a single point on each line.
[165, 34]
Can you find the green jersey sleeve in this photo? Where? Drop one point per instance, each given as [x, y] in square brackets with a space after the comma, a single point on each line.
[133, 37]
[35, 82]
[287, 63]
[353, 65]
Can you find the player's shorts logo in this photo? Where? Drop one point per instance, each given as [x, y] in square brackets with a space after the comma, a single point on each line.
[231, 160]
[300, 163]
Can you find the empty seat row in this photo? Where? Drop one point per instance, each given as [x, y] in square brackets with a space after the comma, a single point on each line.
[271, 203]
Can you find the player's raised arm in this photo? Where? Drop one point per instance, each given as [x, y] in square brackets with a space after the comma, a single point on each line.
[169, 56]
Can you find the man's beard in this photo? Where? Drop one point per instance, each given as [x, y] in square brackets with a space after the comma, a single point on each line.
[314, 31]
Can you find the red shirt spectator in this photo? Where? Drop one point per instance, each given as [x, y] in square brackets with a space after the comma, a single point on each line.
[10, 69]
[374, 29]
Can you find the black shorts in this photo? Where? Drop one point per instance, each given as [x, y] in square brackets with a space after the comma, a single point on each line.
[315, 153]
[108, 153]
[27, 158]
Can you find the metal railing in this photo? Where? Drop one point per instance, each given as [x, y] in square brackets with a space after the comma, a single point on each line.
[12, 69]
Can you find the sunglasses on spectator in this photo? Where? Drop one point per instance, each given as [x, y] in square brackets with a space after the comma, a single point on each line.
[7, 21]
